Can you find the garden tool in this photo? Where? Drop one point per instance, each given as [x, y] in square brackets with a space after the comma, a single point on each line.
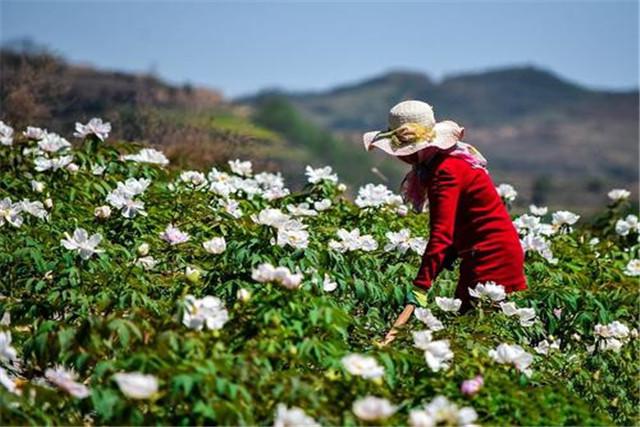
[401, 320]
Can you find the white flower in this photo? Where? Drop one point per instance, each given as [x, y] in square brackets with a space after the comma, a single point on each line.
[363, 366]
[34, 208]
[628, 225]
[418, 245]
[293, 233]
[526, 316]
[240, 168]
[6, 134]
[422, 338]
[44, 164]
[509, 308]
[95, 127]
[147, 262]
[73, 168]
[614, 335]
[207, 312]
[512, 354]
[82, 243]
[102, 212]
[9, 383]
[561, 218]
[37, 186]
[618, 194]
[489, 291]
[328, 285]
[66, 380]
[52, 143]
[426, 317]
[322, 205]
[136, 385]
[301, 209]
[440, 411]
[633, 268]
[148, 155]
[438, 354]
[173, 235]
[315, 176]
[243, 295]
[544, 346]
[34, 133]
[232, 207]
[266, 272]
[376, 196]
[292, 417]
[398, 241]
[97, 169]
[8, 354]
[272, 217]
[507, 192]
[194, 178]
[373, 408]
[538, 210]
[10, 213]
[217, 245]
[352, 241]
[449, 304]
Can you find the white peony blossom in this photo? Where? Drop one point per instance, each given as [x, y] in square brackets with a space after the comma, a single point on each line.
[426, 317]
[292, 417]
[44, 164]
[102, 212]
[507, 192]
[376, 196]
[65, 380]
[148, 155]
[8, 354]
[6, 134]
[37, 186]
[489, 290]
[174, 236]
[293, 233]
[373, 408]
[147, 262]
[564, 218]
[193, 178]
[10, 213]
[633, 268]
[449, 304]
[136, 385]
[322, 205]
[440, 411]
[328, 285]
[627, 225]
[34, 209]
[302, 209]
[207, 312]
[538, 210]
[618, 194]
[95, 127]
[240, 168]
[53, 143]
[34, 133]
[266, 273]
[314, 176]
[514, 355]
[362, 366]
[217, 245]
[83, 244]
[352, 241]
[9, 383]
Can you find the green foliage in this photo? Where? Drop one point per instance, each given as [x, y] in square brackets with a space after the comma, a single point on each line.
[107, 314]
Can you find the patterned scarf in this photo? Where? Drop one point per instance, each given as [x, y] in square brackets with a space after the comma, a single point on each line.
[413, 187]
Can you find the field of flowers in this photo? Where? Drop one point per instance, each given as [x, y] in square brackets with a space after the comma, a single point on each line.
[131, 293]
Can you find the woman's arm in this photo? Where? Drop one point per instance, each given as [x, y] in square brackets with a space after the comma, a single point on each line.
[444, 193]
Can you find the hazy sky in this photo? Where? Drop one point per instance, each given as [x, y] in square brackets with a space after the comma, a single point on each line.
[241, 47]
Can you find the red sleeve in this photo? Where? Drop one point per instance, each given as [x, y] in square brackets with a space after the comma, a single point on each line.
[443, 193]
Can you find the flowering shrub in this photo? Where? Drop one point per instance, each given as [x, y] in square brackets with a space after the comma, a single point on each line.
[132, 293]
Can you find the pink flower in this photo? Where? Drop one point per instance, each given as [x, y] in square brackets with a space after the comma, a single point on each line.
[472, 386]
[557, 312]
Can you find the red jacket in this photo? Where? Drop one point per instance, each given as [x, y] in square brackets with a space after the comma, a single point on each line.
[468, 219]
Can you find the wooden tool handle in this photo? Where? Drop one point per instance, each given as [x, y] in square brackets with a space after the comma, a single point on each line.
[401, 320]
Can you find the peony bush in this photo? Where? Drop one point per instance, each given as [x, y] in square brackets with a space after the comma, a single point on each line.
[133, 293]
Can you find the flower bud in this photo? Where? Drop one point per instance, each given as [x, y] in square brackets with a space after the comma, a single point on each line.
[472, 386]
[73, 168]
[48, 203]
[37, 186]
[143, 249]
[342, 187]
[102, 212]
[193, 274]
[243, 295]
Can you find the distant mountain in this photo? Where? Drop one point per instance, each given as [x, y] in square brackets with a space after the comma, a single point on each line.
[559, 142]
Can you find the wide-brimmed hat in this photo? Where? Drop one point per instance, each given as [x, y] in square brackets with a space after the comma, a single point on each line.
[413, 127]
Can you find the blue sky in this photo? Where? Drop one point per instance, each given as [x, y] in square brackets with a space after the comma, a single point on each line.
[241, 47]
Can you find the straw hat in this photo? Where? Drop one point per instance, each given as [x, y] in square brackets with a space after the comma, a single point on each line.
[412, 127]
